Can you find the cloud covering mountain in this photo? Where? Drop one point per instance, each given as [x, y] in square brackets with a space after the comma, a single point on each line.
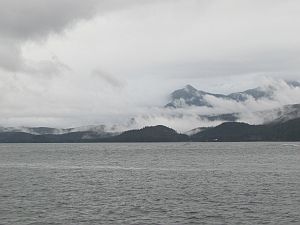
[190, 108]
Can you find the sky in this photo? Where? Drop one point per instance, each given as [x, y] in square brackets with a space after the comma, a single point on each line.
[70, 63]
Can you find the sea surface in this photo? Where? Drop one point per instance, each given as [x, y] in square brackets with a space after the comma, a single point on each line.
[150, 184]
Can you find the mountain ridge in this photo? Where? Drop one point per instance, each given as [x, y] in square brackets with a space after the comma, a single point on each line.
[190, 96]
[229, 131]
[235, 131]
[228, 126]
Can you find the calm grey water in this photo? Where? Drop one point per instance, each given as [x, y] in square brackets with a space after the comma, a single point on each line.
[167, 184]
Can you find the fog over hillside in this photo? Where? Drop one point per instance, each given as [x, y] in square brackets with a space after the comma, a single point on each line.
[255, 106]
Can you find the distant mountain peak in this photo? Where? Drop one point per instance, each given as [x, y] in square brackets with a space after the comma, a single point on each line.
[159, 133]
[190, 96]
[190, 88]
[293, 83]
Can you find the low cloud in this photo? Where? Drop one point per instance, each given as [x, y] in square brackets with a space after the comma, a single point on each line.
[97, 104]
[251, 111]
[108, 79]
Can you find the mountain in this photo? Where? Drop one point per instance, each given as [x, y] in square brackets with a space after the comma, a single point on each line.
[48, 134]
[149, 134]
[280, 114]
[34, 130]
[275, 125]
[16, 137]
[285, 113]
[97, 129]
[233, 131]
[279, 130]
[229, 117]
[22, 137]
[190, 96]
[196, 130]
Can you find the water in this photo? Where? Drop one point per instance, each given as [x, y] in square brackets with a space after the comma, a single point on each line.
[167, 184]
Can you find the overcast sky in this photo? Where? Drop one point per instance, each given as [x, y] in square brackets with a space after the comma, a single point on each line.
[75, 62]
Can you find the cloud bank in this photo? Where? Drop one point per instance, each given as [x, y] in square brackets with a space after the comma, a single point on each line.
[72, 62]
[253, 111]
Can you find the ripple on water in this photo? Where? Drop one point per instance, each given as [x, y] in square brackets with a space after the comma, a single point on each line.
[111, 184]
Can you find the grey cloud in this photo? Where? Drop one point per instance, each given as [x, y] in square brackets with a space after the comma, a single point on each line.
[45, 67]
[148, 48]
[108, 78]
[35, 18]
[11, 60]
[10, 55]
[21, 21]
[276, 62]
[31, 20]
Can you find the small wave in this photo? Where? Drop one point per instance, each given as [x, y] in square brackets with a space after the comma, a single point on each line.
[95, 167]
[292, 145]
